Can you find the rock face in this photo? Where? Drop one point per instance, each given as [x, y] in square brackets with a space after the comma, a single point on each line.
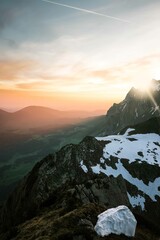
[105, 172]
[137, 107]
[108, 171]
[119, 220]
[60, 179]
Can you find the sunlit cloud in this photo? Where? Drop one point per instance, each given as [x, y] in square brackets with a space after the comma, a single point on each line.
[59, 51]
[12, 70]
[79, 77]
[139, 70]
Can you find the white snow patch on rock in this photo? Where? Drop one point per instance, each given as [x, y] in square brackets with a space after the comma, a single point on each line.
[119, 220]
[123, 146]
[137, 201]
[92, 150]
[102, 160]
[134, 148]
[152, 189]
[128, 131]
[85, 169]
[97, 169]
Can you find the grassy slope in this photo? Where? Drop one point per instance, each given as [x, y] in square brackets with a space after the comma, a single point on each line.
[24, 150]
[58, 224]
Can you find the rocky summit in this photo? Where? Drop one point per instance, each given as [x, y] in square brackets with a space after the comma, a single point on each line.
[137, 107]
[66, 191]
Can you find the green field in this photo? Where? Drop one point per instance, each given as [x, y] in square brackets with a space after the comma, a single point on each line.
[19, 157]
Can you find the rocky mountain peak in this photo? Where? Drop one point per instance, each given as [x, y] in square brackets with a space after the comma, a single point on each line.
[138, 94]
[137, 107]
[133, 93]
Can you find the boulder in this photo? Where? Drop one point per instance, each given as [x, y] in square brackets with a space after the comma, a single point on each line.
[119, 220]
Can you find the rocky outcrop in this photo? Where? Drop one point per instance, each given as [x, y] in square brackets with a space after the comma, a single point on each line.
[104, 172]
[137, 107]
[60, 179]
[119, 220]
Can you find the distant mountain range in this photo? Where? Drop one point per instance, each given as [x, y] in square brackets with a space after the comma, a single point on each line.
[137, 107]
[34, 117]
[33, 132]
[66, 190]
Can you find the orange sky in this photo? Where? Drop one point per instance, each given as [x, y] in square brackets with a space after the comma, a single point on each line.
[12, 100]
[67, 59]
[86, 89]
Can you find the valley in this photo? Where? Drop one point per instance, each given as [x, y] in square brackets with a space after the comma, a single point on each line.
[89, 166]
[21, 149]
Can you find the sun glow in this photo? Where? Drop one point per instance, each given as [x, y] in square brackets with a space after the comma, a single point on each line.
[156, 74]
[143, 86]
[149, 90]
[155, 70]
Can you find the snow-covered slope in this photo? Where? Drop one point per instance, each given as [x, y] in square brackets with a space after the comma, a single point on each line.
[114, 170]
[123, 151]
[119, 220]
[137, 147]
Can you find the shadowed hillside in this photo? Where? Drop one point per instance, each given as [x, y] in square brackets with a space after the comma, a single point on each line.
[63, 194]
[35, 117]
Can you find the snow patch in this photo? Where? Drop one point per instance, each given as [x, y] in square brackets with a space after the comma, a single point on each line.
[134, 148]
[85, 169]
[137, 201]
[102, 160]
[92, 150]
[152, 189]
[128, 131]
[119, 220]
[97, 169]
[123, 146]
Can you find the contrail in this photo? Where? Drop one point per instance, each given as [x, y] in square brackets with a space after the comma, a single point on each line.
[87, 11]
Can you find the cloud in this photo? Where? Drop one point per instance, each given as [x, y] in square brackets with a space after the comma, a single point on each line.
[76, 77]
[14, 69]
[31, 85]
[128, 71]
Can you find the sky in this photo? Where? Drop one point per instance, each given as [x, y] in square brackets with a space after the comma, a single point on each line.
[83, 56]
